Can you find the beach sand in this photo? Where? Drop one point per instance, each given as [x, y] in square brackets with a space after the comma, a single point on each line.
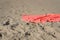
[13, 28]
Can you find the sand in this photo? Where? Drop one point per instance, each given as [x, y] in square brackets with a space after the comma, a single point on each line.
[13, 28]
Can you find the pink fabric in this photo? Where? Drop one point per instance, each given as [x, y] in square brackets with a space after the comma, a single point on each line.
[41, 18]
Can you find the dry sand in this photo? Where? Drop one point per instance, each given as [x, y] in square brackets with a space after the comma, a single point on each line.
[13, 28]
